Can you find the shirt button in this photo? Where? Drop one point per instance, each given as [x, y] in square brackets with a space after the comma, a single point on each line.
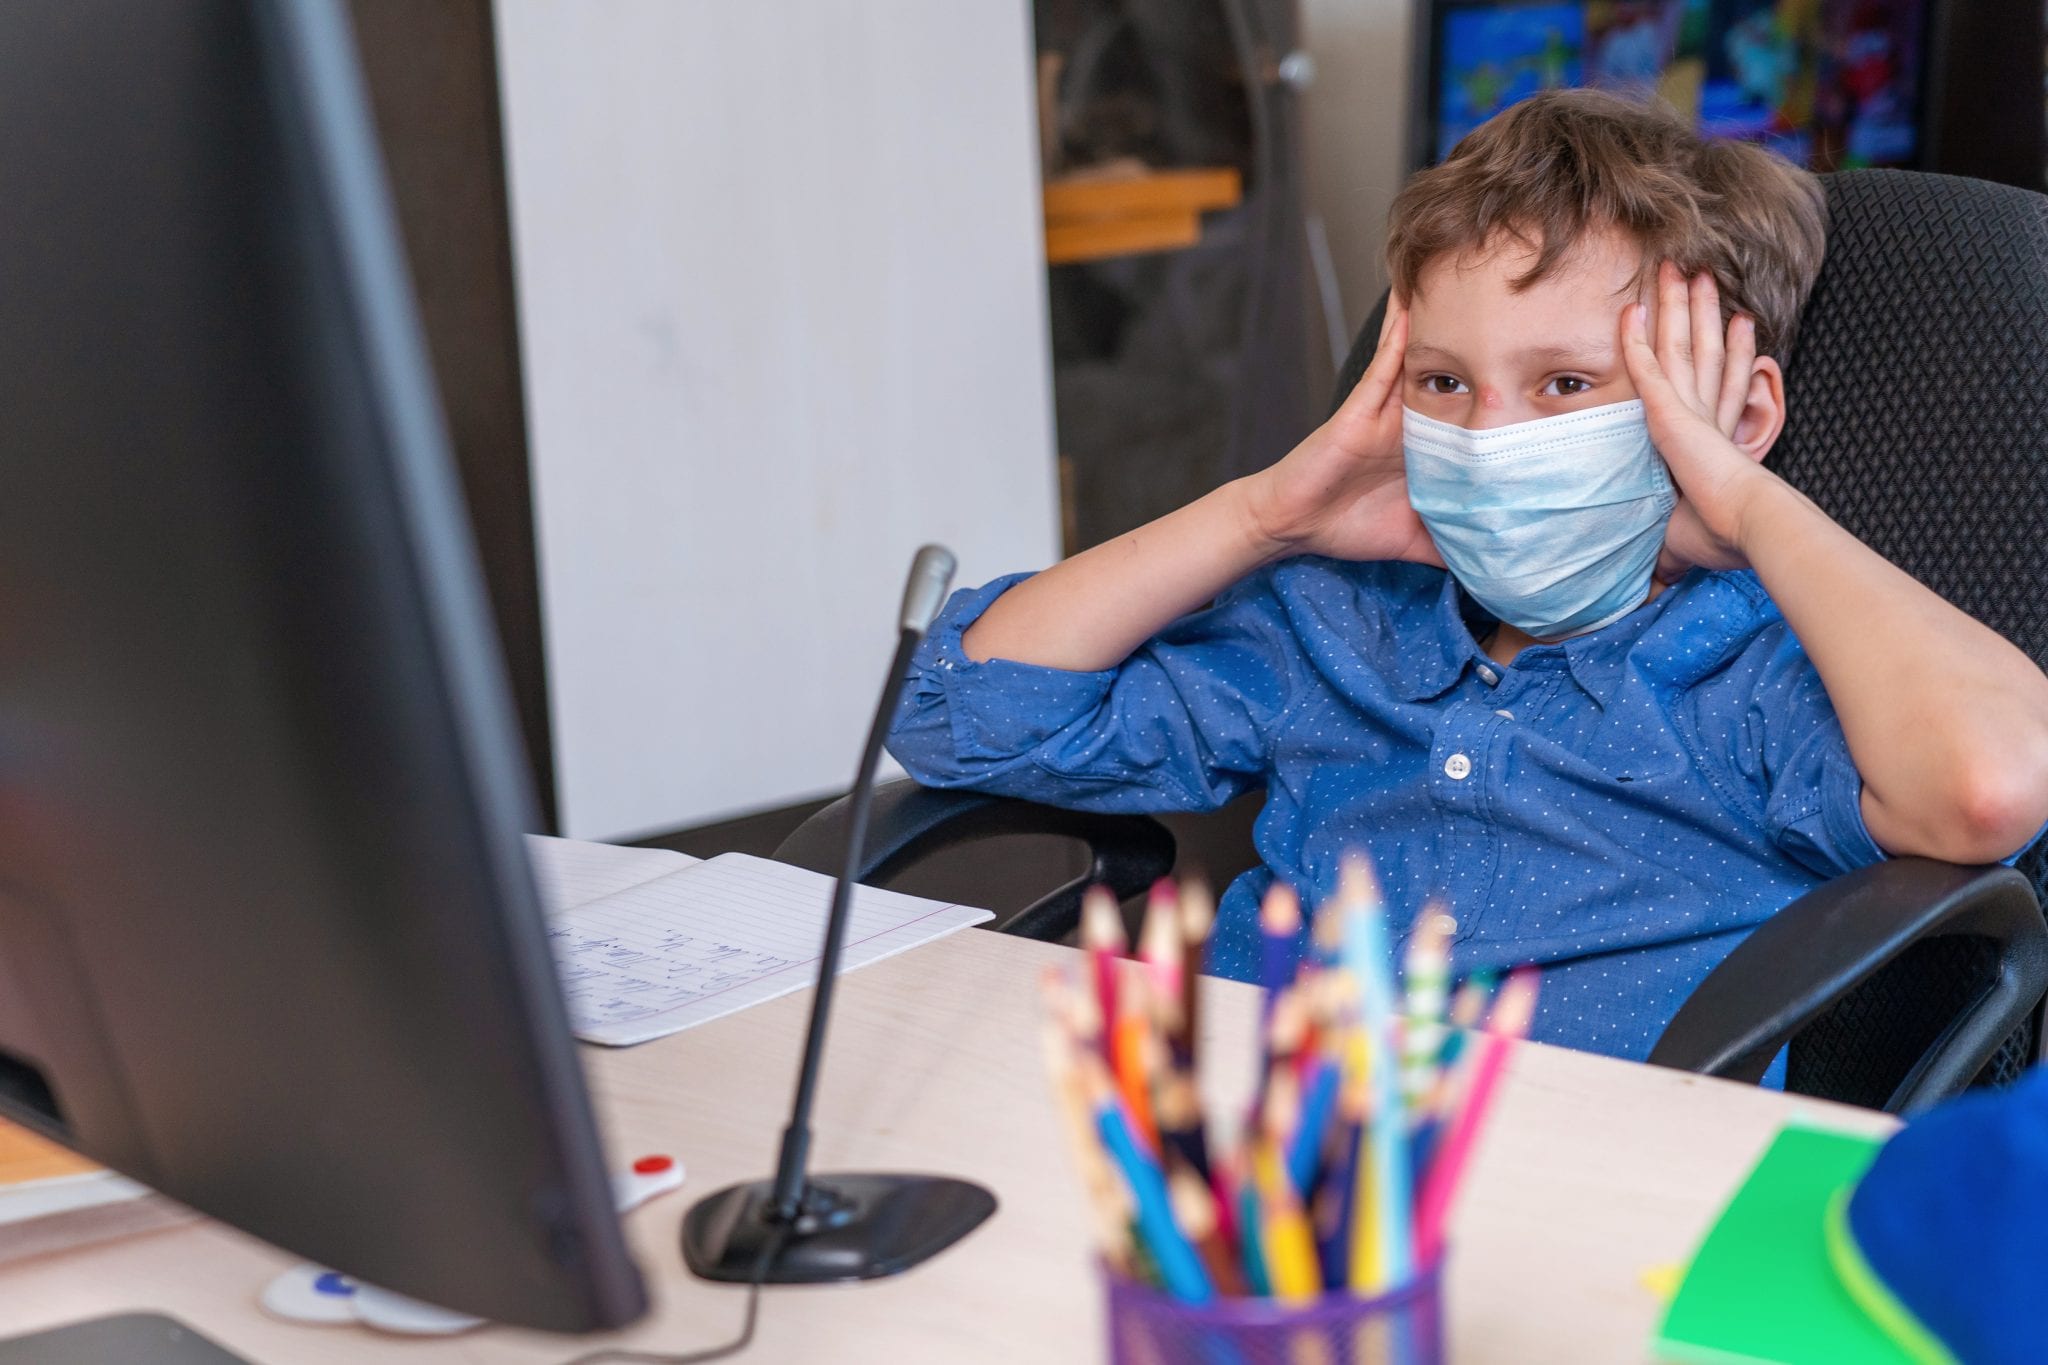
[1508, 714]
[1488, 676]
[1457, 767]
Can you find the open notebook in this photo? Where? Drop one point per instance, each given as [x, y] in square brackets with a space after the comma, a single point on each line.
[649, 942]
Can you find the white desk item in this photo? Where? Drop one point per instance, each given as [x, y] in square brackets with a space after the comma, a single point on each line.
[316, 1295]
[668, 943]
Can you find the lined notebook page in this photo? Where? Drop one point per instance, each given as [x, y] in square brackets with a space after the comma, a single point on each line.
[569, 872]
[718, 936]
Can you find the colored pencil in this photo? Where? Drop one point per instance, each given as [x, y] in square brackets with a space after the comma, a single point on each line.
[1133, 1062]
[1279, 927]
[1197, 917]
[1427, 972]
[1509, 1022]
[1194, 1208]
[1102, 935]
[1180, 1268]
[1367, 955]
[1288, 1243]
[1178, 1111]
[1160, 947]
[1468, 1010]
[1107, 1206]
[1305, 1148]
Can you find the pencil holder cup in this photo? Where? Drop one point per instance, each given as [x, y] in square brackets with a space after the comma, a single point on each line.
[1401, 1327]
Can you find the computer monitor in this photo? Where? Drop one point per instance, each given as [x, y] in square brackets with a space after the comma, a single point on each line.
[1831, 84]
[267, 937]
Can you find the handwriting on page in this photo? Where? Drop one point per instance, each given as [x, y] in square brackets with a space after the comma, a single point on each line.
[716, 937]
[610, 980]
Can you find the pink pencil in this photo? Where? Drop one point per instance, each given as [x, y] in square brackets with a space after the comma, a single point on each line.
[1102, 934]
[1510, 1021]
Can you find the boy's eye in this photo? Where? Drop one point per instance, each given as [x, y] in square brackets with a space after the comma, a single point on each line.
[1566, 385]
[1441, 383]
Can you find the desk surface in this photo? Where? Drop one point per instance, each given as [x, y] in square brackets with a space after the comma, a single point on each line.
[1592, 1172]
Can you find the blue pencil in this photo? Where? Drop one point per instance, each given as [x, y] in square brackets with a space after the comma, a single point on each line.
[1180, 1266]
[1305, 1152]
[1279, 928]
[1368, 954]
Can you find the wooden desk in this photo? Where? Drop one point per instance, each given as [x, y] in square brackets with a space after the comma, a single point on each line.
[1593, 1171]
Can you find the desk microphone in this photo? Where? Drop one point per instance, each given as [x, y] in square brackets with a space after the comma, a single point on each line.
[794, 1230]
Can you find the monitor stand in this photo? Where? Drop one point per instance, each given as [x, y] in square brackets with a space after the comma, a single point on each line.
[125, 1339]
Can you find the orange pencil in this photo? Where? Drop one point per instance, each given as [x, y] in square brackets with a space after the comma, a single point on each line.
[1133, 1056]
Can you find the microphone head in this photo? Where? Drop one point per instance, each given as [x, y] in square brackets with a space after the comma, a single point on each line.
[931, 573]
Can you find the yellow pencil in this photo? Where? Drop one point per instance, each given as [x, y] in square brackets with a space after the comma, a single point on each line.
[1287, 1240]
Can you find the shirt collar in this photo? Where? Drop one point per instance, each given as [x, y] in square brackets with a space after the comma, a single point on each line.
[1598, 661]
[1428, 669]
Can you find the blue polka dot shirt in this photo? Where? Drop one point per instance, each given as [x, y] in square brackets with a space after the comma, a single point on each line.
[1620, 808]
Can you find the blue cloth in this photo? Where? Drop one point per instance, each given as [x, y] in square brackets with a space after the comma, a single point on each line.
[1620, 808]
[1953, 1218]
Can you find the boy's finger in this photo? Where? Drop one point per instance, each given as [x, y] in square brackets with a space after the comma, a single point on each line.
[1655, 381]
[1706, 334]
[1384, 374]
[1674, 328]
[1369, 394]
[1387, 323]
[1735, 375]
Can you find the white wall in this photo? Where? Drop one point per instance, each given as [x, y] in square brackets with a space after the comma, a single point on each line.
[782, 307]
[1353, 118]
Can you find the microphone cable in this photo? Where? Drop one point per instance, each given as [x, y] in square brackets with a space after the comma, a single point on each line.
[619, 1356]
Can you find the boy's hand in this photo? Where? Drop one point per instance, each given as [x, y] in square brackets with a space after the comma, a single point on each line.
[1694, 385]
[1343, 492]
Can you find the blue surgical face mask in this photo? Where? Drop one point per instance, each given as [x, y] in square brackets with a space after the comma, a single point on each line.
[1553, 525]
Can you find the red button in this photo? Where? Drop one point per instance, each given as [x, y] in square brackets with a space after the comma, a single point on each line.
[652, 1165]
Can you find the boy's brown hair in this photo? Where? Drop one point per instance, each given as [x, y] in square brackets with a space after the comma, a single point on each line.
[1568, 162]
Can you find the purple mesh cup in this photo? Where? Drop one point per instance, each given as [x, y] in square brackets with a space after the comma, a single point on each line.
[1402, 1327]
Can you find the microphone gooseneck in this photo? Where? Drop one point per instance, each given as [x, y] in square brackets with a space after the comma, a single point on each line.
[930, 575]
[844, 1225]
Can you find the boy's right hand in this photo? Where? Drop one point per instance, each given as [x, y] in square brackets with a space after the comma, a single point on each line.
[1343, 492]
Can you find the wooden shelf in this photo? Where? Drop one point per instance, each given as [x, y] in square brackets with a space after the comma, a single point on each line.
[1090, 217]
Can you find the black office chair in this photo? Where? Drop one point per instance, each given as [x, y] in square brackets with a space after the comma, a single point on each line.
[1918, 404]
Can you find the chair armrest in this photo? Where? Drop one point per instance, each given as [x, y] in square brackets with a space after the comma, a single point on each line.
[1800, 962]
[1127, 853]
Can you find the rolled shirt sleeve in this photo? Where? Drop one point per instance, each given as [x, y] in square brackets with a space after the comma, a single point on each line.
[1182, 724]
[1772, 731]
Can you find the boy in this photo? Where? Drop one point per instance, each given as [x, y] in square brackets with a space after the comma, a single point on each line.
[1550, 642]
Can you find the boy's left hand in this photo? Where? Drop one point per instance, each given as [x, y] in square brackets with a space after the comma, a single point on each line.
[1694, 386]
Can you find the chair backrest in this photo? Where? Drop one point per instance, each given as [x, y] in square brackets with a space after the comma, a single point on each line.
[1917, 397]
[1918, 418]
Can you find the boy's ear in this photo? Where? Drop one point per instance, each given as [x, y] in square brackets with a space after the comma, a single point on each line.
[1763, 411]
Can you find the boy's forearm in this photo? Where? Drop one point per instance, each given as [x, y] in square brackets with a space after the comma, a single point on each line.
[1947, 721]
[1089, 612]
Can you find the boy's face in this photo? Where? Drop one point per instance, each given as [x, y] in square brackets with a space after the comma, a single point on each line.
[1482, 355]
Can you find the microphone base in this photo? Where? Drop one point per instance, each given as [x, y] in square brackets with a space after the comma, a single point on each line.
[851, 1227]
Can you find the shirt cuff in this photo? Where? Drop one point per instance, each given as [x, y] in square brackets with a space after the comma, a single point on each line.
[998, 708]
[1841, 808]
[1816, 815]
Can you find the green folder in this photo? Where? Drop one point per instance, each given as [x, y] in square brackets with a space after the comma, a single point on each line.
[1761, 1287]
